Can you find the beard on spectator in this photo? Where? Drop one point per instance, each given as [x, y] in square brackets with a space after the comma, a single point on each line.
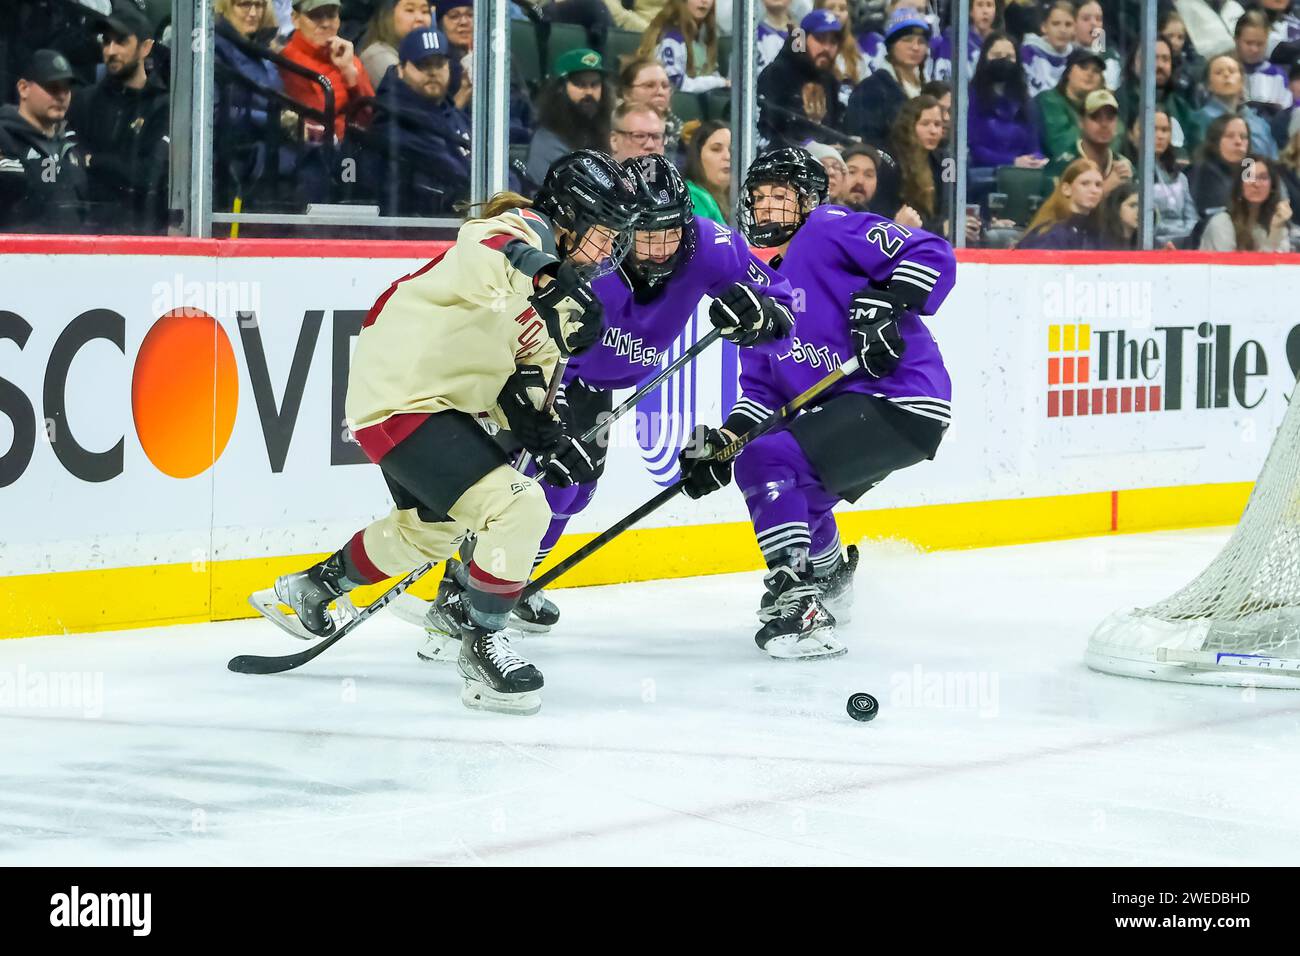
[588, 106]
[116, 66]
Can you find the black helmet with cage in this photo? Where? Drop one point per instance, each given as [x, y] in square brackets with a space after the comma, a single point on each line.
[790, 166]
[665, 206]
[585, 189]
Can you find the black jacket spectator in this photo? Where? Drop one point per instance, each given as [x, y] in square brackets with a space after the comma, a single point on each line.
[124, 136]
[873, 106]
[1077, 232]
[796, 98]
[42, 169]
[425, 140]
[1211, 181]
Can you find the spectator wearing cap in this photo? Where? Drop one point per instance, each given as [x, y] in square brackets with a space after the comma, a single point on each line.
[771, 33]
[1044, 55]
[123, 125]
[683, 36]
[851, 66]
[1061, 108]
[872, 42]
[1097, 133]
[636, 130]
[1001, 121]
[1177, 107]
[984, 17]
[392, 21]
[876, 101]
[42, 170]
[1265, 82]
[573, 110]
[317, 46]
[1225, 94]
[708, 168]
[424, 138]
[798, 93]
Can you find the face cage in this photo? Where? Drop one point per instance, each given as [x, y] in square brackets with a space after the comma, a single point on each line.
[655, 271]
[773, 233]
[602, 267]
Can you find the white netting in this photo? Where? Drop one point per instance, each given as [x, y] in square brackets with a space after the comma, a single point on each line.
[1239, 620]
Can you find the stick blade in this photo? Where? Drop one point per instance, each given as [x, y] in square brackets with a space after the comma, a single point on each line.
[257, 664]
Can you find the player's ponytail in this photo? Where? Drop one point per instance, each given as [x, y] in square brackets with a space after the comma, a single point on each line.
[496, 205]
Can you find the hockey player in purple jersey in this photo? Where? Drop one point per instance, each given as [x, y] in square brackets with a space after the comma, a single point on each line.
[677, 258]
[861, 284]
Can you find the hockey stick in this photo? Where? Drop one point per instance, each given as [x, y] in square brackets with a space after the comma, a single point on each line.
[257, 664]
[725, 453]
[552, 390]
[595, 430]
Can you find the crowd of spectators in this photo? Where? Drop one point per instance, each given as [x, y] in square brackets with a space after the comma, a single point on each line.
[1053, 121]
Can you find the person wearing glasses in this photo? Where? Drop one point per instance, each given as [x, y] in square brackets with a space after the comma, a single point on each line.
[317, 46]
[636, 131]
[645, 81]
[573, 110]
[123, 124]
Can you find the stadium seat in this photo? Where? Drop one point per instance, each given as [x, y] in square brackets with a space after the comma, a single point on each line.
[1020, 184]
[564, 36]
[724, 54]
[689, 106]
[718, 104]
[619, 46]
[525, 54]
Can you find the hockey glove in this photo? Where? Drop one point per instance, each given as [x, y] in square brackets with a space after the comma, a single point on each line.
[745, 317]
[566, 463]
[873, 321]
[569, 308]
[702, 473]
[524, 391]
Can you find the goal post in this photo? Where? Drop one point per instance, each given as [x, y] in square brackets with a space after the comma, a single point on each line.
[1238, 622]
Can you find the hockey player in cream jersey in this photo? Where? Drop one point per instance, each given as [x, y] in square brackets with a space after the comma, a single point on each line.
[476, 333]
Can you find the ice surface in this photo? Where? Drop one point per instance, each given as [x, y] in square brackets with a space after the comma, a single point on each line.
[666, 737]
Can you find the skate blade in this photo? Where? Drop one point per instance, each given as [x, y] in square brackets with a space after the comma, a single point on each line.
[268, 604]
[816, 645]
[439, 648]
[478, 696]
[409, 609]
[528, 627]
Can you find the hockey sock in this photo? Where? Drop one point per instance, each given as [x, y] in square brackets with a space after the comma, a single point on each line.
[357, 567]
[827, 559]
[491, 599]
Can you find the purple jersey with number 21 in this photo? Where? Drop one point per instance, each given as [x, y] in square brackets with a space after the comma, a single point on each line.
[833, 255]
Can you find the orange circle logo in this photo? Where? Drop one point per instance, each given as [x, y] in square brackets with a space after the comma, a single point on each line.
[184, 392]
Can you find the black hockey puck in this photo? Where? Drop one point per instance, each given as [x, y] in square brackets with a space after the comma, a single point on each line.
[863, 707]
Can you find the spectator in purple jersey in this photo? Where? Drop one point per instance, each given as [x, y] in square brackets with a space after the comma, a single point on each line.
[1283, 25]
[771, 33]
[1267, 89]
[683, 36]
[1068, 220]
[984, 18]
[1043, 55]
[1001, 122]
[677, 259]
[863, 283]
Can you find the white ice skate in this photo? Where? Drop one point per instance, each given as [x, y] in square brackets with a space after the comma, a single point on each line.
[798, 627]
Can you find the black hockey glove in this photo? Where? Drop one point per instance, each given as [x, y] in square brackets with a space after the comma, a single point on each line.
[571, 311]
[873, 320]
[566, 463]
[524, 391]
[702, 473]
[745, 317]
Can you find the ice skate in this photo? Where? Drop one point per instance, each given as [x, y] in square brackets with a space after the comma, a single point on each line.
[536, 614]
[443, 621]
[837, 587]
[308, 595]
[496, 678]
[798, 626]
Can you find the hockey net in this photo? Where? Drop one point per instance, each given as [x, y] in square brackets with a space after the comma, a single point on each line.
[1238, 623]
